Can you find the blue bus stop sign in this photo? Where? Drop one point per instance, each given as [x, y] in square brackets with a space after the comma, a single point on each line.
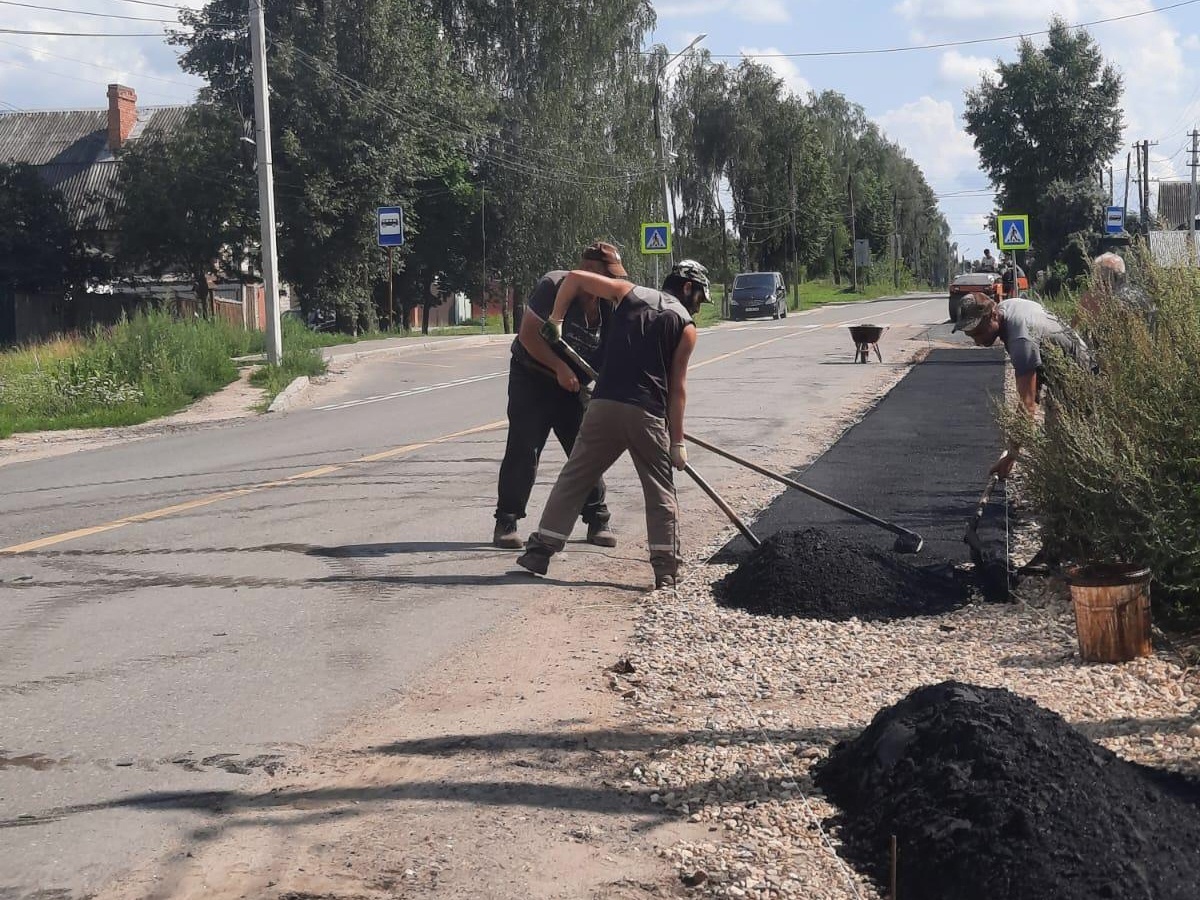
[391, 226]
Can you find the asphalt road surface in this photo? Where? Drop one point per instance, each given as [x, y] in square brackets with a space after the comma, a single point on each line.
[180, 611]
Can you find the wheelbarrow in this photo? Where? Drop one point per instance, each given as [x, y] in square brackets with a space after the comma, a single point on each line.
[865, 338]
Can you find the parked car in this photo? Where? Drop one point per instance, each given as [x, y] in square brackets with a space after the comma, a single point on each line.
[758, 294]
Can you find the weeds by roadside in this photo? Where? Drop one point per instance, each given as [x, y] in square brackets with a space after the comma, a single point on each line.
[301, 356]
[145, 367]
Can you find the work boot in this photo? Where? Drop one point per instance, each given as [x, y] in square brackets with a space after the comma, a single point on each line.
[534, 560]
[505, 536]
[664, 581]
[601, 535]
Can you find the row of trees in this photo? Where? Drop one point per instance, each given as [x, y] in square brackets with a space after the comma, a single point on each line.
[512, 132]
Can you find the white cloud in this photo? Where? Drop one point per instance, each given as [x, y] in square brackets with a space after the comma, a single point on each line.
[1157, 59]
[960, 70]
[784, 68]
[749, 10]
[930, 133]
[47, 71]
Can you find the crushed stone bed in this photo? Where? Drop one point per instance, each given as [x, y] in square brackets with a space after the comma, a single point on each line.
[757, 701]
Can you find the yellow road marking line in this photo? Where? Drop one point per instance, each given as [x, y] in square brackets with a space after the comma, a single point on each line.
[64, 537]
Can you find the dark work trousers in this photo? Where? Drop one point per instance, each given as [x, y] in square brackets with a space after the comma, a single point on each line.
[537, 406]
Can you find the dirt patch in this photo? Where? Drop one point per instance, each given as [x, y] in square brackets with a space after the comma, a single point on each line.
[991, 795]
[811, 574]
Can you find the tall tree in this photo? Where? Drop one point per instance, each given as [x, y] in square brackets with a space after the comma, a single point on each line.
[188, 201]
[365, 102]
[36, 241]
[1053, 115]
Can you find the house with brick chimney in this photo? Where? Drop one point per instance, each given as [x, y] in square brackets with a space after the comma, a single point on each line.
[75, 151]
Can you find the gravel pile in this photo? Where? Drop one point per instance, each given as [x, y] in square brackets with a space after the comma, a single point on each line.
[992, 796]
[811, 574]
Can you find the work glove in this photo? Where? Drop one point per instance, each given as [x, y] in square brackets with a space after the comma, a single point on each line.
[551, 332]
[679, 455]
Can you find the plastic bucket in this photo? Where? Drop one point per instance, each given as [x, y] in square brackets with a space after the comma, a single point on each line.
[1112, 611]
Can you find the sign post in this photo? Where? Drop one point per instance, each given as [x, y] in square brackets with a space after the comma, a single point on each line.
[656, 242]
[1013, 234]
[1114, 220]
[391, 234]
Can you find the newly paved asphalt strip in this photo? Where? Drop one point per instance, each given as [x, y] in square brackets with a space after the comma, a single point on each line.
[919, 459]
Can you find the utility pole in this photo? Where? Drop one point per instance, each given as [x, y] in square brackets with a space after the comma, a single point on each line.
[792, 222]
[1194, 251]
[1147, 216]
[1125, 204]
[483, 235]
[266, 185]
[895, 239]
[853, 232]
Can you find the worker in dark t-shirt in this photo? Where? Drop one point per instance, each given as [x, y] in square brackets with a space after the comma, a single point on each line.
[545, 394]
[637, 407]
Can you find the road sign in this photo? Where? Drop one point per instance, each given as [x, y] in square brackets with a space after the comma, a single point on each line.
[656, 237]
[1013, 232]
[391, 226]
[862, 252]
[1114, 220]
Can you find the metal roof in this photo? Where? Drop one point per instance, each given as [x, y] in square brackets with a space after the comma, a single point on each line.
[70, 149]
[1173, 204]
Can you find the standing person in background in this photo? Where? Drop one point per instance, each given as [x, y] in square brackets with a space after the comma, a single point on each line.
[637, 406]
[545, 394]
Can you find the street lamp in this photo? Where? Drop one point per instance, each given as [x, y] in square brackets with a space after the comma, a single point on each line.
[668, 204]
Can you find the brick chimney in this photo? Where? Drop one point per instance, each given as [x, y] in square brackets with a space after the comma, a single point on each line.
[122, 114]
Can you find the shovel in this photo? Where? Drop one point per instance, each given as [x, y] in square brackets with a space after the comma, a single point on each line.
[563, 348]
[906, 541]
[971, 538]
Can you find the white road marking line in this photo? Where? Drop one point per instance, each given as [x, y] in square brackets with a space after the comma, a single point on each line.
[379, 398]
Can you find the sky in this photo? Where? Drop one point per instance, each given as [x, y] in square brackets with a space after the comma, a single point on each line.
[916, 97]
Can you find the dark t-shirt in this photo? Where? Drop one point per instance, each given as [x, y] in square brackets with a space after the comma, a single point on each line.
[583, 338]
[646, 328]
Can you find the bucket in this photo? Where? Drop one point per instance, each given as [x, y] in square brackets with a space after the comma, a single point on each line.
[1112, 611]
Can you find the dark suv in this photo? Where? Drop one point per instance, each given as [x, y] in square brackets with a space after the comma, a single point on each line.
[758, 294]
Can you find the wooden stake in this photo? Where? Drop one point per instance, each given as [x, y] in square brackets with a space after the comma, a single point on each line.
[892, 872]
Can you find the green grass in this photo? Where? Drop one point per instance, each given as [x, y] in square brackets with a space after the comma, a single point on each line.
[301, 356]
[145, 367]
[820, 293]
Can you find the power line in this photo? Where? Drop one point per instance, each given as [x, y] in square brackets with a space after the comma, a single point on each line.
[80, 12]
[120, 34]
[944, 44]
[163, 5]
[41, 71]
[83, 62]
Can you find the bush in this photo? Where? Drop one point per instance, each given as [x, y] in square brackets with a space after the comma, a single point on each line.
[141, 368]
[1114, 473]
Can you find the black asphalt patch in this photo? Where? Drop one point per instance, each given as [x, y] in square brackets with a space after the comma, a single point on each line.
[920, 459]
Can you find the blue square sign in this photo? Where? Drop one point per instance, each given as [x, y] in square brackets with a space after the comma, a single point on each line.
[391, 226]
[1114, 220]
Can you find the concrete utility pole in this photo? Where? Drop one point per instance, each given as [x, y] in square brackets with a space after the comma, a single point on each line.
[895, 240]
[1125, 204]
[853, 230]
[661, 134]
[266, 186]
[1194, 251]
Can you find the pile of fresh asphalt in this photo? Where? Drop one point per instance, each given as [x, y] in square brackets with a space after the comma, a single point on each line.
[813, 574]
[920, 459]
[993, 797]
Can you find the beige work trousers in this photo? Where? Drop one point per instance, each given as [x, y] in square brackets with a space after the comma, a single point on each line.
[609, 429]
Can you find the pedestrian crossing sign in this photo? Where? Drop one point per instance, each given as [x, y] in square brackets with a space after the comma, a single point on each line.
[1013, 232]
[656, 237]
